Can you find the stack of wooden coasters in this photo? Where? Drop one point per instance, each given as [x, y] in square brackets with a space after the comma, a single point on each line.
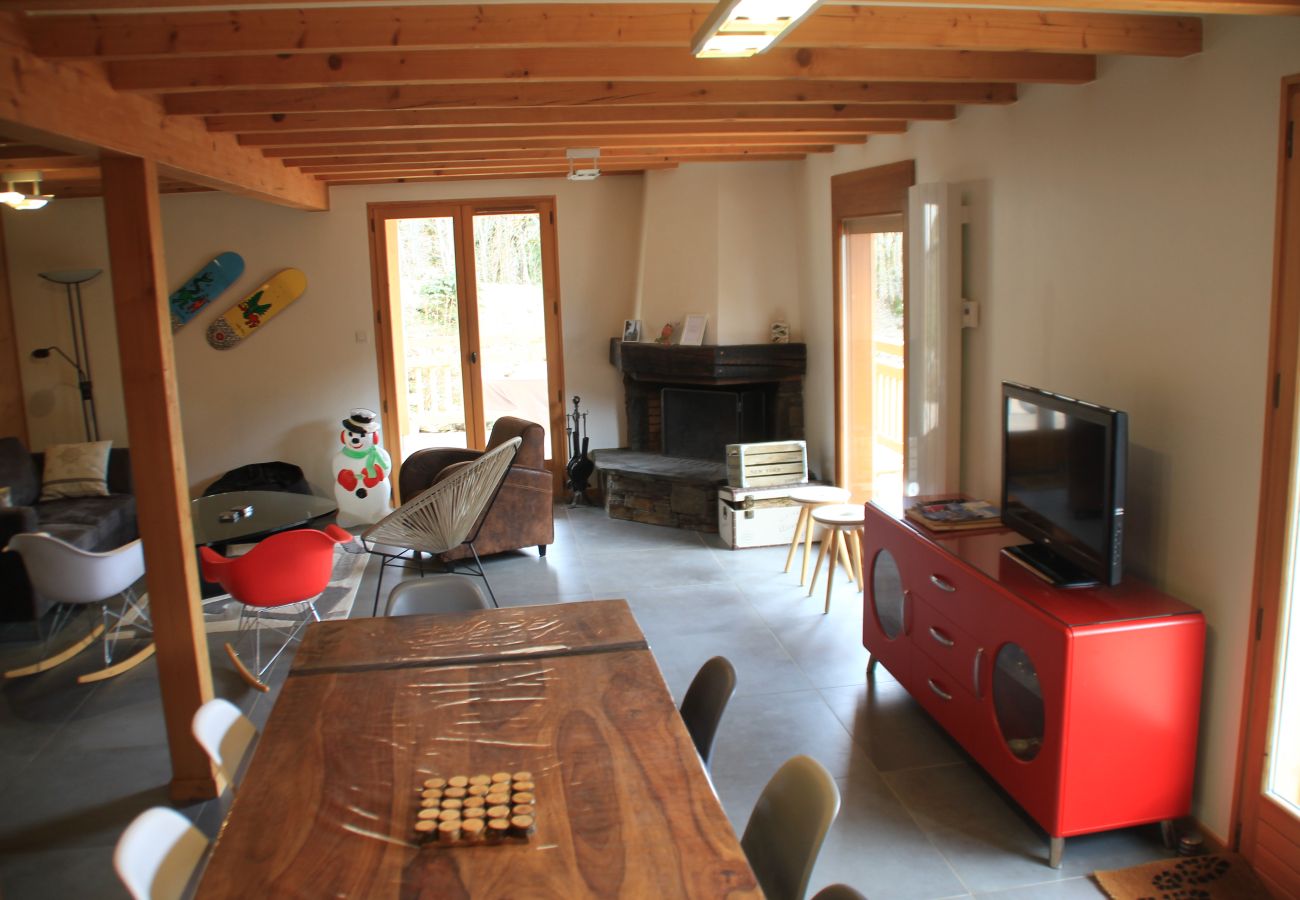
[472, 809]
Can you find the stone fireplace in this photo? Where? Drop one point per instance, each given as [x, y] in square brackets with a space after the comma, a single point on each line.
[684, 405]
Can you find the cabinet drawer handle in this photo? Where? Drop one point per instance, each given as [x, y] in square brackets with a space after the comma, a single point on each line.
[979, 656]
[941, 637]
[938, 690]
[907, 603]
[941, 584]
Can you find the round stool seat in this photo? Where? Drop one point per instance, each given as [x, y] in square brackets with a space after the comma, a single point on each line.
[819, 493]
[840, 515]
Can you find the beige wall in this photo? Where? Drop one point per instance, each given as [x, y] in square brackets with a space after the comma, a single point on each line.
[721, 239]
[1121, 249]
[282, 394]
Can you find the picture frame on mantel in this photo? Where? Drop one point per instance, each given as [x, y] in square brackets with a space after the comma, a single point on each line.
[631, 331]
[693, 330]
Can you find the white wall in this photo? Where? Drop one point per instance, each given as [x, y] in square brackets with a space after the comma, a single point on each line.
[282, 394]
[722, 239]
[1121, 249]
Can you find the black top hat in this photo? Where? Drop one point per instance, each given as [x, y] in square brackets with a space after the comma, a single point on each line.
[362, 421]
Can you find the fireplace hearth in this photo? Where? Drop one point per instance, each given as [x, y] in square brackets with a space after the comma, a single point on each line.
[684, 405]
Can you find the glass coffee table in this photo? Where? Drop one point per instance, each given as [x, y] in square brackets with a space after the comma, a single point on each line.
[272, 511]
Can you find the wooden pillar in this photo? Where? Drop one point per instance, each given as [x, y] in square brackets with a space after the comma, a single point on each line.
[13, 412]
[158, 462]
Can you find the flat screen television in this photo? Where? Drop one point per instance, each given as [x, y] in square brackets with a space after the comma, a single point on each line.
[1063, 476]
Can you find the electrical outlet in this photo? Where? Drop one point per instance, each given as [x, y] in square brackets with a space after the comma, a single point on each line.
[970, 314]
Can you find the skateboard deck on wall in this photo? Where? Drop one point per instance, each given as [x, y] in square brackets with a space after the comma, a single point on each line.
[206, 285]
[258, 308]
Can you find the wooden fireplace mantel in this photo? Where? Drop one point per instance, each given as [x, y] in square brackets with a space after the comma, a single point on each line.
[709, 365]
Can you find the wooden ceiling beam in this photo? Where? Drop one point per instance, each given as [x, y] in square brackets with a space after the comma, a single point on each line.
[633, 64]
[560, 167]
[689, 140]
[644, 93]
[1186, 7]
[466, 160]
[570, 115]
[47, 164]
[72, 102]
[421, 179]
[393, 161]
[410, 28]
[579, 134]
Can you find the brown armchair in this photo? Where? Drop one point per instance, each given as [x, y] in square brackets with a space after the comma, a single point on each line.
[522, 515]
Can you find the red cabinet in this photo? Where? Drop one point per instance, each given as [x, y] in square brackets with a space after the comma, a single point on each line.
[1082, 704]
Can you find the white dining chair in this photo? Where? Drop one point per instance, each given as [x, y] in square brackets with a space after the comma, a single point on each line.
[158, 854]
[436, 594]
[225, 734]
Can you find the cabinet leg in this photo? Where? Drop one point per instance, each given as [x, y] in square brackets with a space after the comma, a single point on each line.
[1169, 834]
[1055, 851]
[871, 669]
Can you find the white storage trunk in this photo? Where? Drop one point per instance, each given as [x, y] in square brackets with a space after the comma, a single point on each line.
[758, 517]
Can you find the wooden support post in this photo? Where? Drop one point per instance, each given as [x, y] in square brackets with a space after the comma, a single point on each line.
[158, 462]
[12, 409]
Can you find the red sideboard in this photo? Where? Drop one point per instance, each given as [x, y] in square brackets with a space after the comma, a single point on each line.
[1083, 704]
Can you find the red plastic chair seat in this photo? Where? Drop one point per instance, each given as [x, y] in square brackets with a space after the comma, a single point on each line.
[285, 568]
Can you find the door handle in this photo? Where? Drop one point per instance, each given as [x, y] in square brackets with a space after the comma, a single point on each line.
[473, 356]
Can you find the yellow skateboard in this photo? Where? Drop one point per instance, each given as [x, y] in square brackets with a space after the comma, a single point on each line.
[258, 308]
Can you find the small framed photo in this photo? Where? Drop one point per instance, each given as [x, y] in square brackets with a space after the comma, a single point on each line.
[631, 331]
[693, 330]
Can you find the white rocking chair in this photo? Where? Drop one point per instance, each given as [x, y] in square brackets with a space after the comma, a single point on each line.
[73, 577]
[443, 517]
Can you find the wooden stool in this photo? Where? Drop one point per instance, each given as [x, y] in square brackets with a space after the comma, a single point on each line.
[808, 498]
[843, 523]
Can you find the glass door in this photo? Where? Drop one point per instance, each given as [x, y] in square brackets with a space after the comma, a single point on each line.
[469, 322]
[873, 383]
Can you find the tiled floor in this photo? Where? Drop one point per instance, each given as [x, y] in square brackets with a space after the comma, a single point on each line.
[918, 822]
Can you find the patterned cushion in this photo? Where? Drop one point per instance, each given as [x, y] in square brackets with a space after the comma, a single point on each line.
[76, 470]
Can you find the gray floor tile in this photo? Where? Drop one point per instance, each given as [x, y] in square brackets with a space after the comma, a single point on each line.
[877, 847]
[828, 649]
[1079, 888]
[668, 612]
[70, 872]
[759, 733]
[762, 665]
[890, 726]
[618, 570]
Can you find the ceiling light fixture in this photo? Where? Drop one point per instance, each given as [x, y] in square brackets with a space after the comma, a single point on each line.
[14, 198]
[583, 173]
[740, 28]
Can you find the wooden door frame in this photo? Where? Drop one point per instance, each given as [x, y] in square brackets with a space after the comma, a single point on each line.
[1249, 808]
[463, 212]
[878, 191]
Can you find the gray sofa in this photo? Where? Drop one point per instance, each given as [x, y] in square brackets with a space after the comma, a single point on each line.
[91, 523]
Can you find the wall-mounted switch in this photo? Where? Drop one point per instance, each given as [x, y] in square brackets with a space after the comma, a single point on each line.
[361, 337]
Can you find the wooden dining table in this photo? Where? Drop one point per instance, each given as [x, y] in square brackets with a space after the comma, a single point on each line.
[567, 692]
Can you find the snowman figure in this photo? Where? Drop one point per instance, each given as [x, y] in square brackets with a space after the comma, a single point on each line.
[362, 466]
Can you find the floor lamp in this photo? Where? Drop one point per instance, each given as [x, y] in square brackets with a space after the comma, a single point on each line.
[73, 279]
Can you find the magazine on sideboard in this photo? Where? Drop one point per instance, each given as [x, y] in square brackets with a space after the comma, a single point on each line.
[956, 514]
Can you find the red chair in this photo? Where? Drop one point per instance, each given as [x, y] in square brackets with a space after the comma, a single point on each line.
[292, 567]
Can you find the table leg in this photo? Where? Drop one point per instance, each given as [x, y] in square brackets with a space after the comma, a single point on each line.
[808, 527]
[821, 555]
[798, 531]
[855, 550]
[836, 549]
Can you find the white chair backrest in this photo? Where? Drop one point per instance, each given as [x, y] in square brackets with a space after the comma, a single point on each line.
[443, 516]
[62, 573]
[436, 594]
[158, 854]
[225, 733]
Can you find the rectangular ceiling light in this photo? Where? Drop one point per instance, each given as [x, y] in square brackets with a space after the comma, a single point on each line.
[739, 28]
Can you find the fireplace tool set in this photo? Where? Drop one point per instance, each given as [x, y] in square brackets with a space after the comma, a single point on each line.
[580, 466]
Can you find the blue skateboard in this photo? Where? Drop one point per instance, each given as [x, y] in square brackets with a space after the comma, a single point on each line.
[206, 285]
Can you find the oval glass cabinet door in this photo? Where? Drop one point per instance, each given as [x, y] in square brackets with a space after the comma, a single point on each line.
[1018, 701]
[887, 594]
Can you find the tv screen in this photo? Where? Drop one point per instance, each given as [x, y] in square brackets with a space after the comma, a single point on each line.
[1063, 465]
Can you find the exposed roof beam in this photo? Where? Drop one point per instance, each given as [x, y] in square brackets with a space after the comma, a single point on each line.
[737, 142]
[1189, 7]
[494, 177]
[381, 162]
[582, 134]
[605, 159]
[387, 28]
[630, 93]
[72, 102]
[635, 64]
[568, 115]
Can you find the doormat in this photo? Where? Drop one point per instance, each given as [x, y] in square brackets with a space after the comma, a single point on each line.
[1218, 876]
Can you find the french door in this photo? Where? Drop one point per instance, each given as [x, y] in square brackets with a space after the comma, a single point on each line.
[868, 241]
[468, 317]
[1270, 789]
